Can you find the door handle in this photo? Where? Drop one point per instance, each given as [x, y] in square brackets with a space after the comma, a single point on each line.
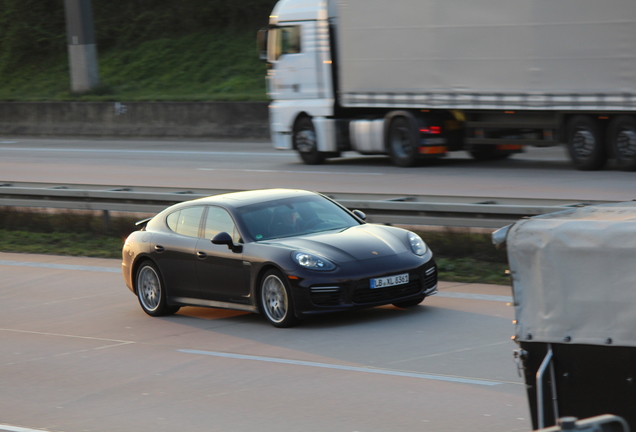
[202, 255]
[159, 248]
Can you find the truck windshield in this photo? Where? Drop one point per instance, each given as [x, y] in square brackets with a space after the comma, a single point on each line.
[283, 40]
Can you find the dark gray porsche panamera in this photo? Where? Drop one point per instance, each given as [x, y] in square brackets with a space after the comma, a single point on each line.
[284, 253]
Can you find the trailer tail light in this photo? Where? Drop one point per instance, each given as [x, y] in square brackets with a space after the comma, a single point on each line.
[433, 130]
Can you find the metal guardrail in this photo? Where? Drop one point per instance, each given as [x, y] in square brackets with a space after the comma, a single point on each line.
[434, 210]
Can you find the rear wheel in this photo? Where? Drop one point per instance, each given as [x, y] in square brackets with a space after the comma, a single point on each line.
[409, 303]
[276, 300]
[151, 292]
[306, 143]
[622, 139]
[585, 143]
[402, 143]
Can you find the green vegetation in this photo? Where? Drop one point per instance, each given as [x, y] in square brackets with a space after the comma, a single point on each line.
[148, 50]
[215, 66]
[461, 256]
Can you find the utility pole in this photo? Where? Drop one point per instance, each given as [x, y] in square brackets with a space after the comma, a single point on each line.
[82, 51]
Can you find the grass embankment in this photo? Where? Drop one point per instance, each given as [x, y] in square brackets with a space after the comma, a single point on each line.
[219, 65]
[461, 256]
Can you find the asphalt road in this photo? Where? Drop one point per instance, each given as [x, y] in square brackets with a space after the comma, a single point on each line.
[77, 354]
[539, 173]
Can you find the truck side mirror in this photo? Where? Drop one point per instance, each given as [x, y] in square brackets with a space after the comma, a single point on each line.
[261, 43]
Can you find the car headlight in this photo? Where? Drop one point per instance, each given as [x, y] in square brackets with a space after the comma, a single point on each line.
[417, 244]
[311, 261]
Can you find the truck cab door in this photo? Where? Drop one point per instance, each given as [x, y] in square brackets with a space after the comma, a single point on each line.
[292, 53]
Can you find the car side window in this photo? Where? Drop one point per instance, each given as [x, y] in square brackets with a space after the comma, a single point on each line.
[219, 220]
[186, 221]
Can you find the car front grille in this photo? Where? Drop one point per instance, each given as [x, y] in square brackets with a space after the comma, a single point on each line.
[430, 277]
[325, 296]
[364, 294]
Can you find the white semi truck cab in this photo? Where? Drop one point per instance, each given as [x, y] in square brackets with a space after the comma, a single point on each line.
[417, 79]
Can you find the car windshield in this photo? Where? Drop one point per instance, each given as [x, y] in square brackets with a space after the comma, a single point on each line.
[294, 216]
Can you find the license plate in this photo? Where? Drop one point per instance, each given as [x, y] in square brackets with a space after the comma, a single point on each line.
[388, 281]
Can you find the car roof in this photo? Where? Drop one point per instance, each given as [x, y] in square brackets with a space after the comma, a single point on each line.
[243, 198]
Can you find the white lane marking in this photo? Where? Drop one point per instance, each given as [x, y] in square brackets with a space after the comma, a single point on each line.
[10, 428]
[468, 296]
[292, 172]
[60, 266]
[116, 342]
[167, 152]
[391, 372]
[8, 142]
[446, 378]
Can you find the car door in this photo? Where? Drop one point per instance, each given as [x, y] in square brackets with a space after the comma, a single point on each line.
[174, 251]
[222, 273]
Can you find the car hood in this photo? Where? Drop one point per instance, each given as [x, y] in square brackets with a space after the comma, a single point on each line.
[352, 244]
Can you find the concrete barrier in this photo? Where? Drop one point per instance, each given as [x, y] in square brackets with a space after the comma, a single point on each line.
[136, 119]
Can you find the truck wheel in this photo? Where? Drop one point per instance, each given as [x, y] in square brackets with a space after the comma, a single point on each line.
[585, 143]
[622, 139]
[305, 142]
[402, 143]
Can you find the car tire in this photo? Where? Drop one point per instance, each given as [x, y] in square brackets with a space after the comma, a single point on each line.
[402, 143]
[151, 291]
[409, 303]
[276, 300]
[306, 142]
[622, 139]
[585, 143]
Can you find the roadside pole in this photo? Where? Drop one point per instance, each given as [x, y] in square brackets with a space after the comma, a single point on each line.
[82, 51]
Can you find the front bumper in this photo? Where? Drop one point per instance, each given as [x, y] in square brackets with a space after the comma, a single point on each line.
[331, 294]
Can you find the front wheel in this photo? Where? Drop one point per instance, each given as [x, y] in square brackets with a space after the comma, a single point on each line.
[409, 303]
[622, 138]
[276, 300]
[151, 292]
[306, 142]
[585, 143]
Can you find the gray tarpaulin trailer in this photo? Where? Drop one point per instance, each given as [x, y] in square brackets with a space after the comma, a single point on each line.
[574, 283]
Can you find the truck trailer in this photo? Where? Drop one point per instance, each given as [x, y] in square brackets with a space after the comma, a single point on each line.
[418, 79]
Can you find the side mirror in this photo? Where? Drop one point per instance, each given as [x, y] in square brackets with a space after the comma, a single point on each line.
[224, 238]
[261, 43]
[359, 214]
